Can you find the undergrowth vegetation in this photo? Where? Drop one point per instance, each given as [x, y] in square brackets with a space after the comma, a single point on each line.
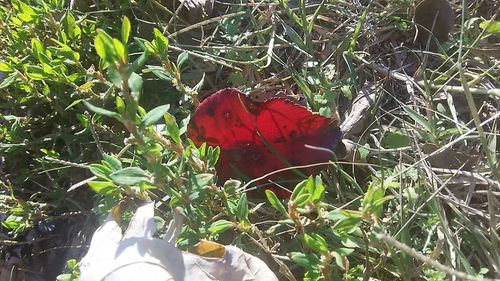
[95, 98]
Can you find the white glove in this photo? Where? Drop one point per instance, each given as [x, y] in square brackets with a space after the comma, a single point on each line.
[136, 255]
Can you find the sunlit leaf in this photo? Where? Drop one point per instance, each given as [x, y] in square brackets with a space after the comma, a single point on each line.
[130, 176]
[154, 115]
[125, 30]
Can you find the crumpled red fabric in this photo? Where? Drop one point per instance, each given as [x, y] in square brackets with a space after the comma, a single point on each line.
[258, 138]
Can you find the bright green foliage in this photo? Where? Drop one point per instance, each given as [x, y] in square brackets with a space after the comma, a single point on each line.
[94, 110]
[75, 272]
[46, 64]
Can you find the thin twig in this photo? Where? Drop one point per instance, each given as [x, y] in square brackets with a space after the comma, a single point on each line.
[412, 252]
[461, 90]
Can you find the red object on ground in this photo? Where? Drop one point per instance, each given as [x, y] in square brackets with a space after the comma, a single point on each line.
[258, 138]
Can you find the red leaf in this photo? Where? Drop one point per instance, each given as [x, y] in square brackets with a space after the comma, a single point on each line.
[258, 138]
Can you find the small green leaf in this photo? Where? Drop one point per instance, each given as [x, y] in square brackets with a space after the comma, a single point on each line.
[203, 150]
[120, 105]
[130, 176]
[154, 115]
[141, 111]
[338, 259]
[115, 77]
[64, 277]
[73, 104]
[395, 140]
[101, 111]
[275, 202]
[8, 81]
[492, 27]
[100, 171]
[344, 251]
[364, 151]
[65, 51]
[310, 184]
[374, 198]
[25, 8]
[172, 127]
[141, 42]
[161, 42]
[149, 47]
[138, 63]
[135, 82]
[181, 59]
[161, 73]
[318, 193]
[36, 73]
[344, 222]
[120, 50]
[242, 209]
[302, 199]
[104, 188]
[99, 47]
[125, 29]
[220, 226]
[347, 91]
[200, 181]
[70, 26]
[5, 67]
[232, 205]
[72, 263]
[230, 186]
[113, 163]
[305, 260]
[213, 156]
[106, 47]
[315, 243]
[299, 189]
[86, 86]
[448, 133]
